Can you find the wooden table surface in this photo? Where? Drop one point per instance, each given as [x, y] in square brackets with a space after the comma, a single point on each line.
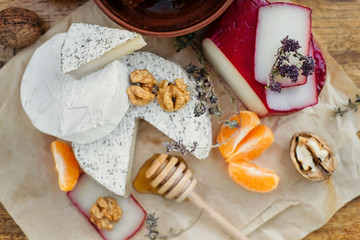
[337, 26]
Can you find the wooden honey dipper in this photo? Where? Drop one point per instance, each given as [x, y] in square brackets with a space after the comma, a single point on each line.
[172, 179]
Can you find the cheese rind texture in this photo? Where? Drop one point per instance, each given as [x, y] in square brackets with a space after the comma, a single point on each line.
[108, 160]
[79, 111]
[88, 48]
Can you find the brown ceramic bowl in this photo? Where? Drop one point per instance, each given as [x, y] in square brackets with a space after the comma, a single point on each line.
[164, 18]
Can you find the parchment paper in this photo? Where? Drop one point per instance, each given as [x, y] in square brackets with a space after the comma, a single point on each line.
[30, 192]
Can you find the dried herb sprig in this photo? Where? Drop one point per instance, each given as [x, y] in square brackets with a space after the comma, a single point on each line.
[151, 224]
[184, 41]
[204, 86]
[350, 106]
[282, 66]
[178, 146]
[154, 234]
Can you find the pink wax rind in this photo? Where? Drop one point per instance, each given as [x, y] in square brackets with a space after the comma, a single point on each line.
[85, 212]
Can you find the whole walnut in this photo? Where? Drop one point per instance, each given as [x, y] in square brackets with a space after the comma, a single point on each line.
[19, 27]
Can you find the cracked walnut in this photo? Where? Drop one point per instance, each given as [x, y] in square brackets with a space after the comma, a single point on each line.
[104, 212]
[142, 91]
[173, 97]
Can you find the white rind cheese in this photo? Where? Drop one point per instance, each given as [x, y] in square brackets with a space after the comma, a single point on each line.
[109, 159]
[87, 48]
[79, 111]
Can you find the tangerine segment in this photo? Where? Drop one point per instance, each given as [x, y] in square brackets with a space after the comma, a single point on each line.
[230, 138]
[253, 177]
[259, 139]
[66, 165]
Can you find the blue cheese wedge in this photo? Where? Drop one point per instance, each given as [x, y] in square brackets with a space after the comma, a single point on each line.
[79, 111]
[109, 159]
[87, 48]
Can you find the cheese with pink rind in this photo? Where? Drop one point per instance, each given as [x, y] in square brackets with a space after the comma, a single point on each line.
[85, 194]
[230, 48]
[275, 22]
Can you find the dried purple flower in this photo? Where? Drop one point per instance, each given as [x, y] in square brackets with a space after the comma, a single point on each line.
[284, 68]
[178, 146]
[212, 98]
[200, 109]
[289, 45]
[292, 73]
[275, 86]
[152, 226]
[308, 66]
[191, 68]
[204, 86]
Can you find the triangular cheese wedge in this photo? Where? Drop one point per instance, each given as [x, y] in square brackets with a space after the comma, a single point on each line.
[87, 48]
[109, 159]
[79, 111]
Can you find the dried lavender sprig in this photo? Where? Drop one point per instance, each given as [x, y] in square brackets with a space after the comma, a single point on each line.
[178, 146]
[206, 95]
[289, 45]
[350, 106]
[231, 124]
[205, 88]
[282, 66]
[154, 234]
[152, 227]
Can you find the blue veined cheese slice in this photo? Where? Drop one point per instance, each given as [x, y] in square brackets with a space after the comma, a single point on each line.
[79, 111]
[109, 159]
[87, 48]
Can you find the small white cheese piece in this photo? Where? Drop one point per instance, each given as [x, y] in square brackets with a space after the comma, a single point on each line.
[80, 111]
[87, 48]
[109, 159]
[316, 148]
[305, 158]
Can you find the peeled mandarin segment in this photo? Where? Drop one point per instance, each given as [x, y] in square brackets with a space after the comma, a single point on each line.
[253, 177]
[66, 165]
[259, 139]
[230, 138]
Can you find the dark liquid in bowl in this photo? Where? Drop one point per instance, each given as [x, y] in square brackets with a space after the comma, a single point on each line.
[163, 15]
[166, 7]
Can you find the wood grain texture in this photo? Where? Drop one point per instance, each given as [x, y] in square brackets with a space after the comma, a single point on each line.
[337, 26]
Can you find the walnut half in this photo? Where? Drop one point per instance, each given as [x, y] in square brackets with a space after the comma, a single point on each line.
[104, 212]
[173, 97]
[142, 91]
[312, 156]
